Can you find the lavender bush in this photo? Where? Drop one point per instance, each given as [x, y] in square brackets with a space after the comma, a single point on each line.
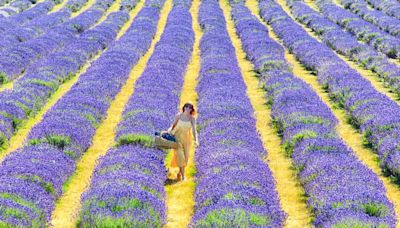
[363, 30]
[66, 131]
[341, 191]
[235, 187]
[15, 7]
[24, 17]
[390, 7]
[344, 43]
[14, 60]
[128, 184]
[373, 113]
[32, 29]
[31, 92]
[157, 91]
[376, 17]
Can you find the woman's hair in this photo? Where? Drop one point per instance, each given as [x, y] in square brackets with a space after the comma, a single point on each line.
[191, 106]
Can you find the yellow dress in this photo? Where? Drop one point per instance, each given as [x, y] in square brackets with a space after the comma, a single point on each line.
[183, 135]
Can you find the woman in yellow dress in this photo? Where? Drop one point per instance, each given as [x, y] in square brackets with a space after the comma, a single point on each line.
[183, 128]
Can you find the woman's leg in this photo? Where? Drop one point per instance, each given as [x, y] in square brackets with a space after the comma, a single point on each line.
[185, 149]
[182, 172]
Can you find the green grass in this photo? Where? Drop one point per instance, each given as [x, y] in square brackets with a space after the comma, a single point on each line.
[47, 186]
[110, 168]
[143, 140]
[26, 109]
[111, 222]
[14, 213]
[232, 218]
[230, 196]
[257, 201]
[51, 85]
[89, 219]
[39, 219]
[59, 141]
[91, 118]
[345, 223]
[3, 141]
[3, 78]
[309, 178]
[375, 209]
[289, 144]
[273, 64]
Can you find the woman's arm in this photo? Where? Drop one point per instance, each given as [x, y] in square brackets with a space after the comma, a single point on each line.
[195, 132]
[174, 123]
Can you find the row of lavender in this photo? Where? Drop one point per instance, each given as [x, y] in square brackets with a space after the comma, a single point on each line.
[26, 170]
[19, 19]
[363, 30]
[4, 2]
[32, 29]
[341, 190]
[374, 113]
[376, 17]
[14, 60]
[157, 91]
[15, 7]
[235, 187]
[390, 7]
[33, 176]
[23, 17]
[39, 25]
[127, 189]
[31, 92]
[344, 43]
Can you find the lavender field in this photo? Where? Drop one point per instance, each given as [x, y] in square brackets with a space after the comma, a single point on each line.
[298, 113]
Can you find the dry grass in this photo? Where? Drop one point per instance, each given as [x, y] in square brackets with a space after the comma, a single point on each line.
[7, 85]
[59, 6]
[113, 8]
[88, 4]
[68, 206]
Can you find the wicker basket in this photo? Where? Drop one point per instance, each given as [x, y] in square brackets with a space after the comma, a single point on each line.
[163, 143]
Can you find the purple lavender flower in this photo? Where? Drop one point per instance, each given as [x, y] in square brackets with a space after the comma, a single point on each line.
[341, 190]
[334, 37]
[363, 30]
[15, 59]
[231, 174]
[31, 177]
[372, 112]
[41, 80]
[128, 185]
[390, 7]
